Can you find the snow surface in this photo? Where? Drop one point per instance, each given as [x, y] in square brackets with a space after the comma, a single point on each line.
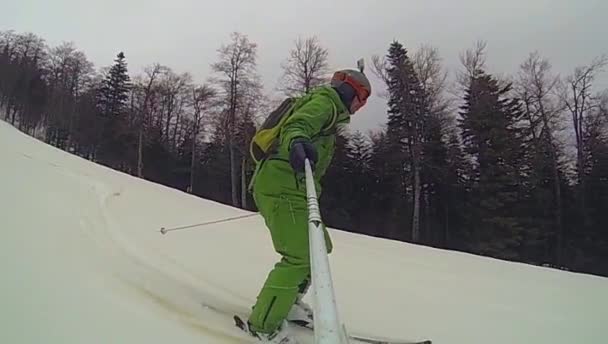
[82, 261]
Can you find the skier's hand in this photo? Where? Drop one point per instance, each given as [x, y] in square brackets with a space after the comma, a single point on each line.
[300, 150]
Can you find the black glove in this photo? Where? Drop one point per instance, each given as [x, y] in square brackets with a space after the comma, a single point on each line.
[301, 149]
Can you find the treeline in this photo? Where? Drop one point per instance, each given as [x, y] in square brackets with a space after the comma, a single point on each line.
[513, 167]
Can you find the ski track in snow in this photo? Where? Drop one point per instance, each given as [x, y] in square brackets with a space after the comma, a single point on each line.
[84, 261]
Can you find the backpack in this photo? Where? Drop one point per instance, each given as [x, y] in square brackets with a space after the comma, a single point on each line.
[266, 139]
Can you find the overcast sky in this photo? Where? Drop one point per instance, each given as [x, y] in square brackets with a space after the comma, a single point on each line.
[185, 34]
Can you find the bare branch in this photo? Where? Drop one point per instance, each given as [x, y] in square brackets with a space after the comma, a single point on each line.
[575, 92]
[237, 76]
[305, 68]
[432, 76]
[474, 59]
[536, 86]
[380, 69]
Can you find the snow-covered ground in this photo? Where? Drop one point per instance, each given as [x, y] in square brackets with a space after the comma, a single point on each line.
[82, 261]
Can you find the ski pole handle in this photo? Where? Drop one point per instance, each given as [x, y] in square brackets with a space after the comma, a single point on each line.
[314, 214]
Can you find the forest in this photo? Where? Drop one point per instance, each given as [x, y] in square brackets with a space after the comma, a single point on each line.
[510, 166]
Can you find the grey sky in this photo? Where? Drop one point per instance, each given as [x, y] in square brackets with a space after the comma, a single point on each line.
[185, 34]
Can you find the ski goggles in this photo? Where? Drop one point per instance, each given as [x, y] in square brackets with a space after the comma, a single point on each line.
[360, 90]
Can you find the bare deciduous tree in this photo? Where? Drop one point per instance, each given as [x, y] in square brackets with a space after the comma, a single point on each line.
[24, 56]
[174, 89]
[433, 78]
[147, 87]
[408, 105]
[577, 97]
[473, 60]
[202, 101]
[380, 67]
[69, 72]
[305, 68]
[427, 64]
[252, 104]
[237, 71]
[536, 86]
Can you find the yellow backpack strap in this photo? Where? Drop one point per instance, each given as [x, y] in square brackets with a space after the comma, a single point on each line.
[264, 140]
[332, 120]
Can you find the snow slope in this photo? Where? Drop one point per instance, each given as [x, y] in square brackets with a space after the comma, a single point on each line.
[82, 261]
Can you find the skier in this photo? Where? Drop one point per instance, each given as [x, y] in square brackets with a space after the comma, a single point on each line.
[279, 190]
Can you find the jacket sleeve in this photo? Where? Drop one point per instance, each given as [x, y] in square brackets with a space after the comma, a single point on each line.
[308, 120]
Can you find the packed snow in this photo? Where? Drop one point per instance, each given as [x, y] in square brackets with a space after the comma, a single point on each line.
[83, 261]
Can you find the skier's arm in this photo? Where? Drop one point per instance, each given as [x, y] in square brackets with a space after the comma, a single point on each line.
[307, 121]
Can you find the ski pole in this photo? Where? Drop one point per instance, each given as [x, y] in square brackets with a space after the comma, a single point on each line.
[326, 319]
[164, 230]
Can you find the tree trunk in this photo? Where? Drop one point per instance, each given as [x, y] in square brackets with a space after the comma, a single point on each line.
[71, 124]
[234, 180]
[415, 155]
[140, 152]
[2, 108]
[558, 214]
[430, 236]
[193, 160]
[14, 116]
[416, 214]
[174, 140]
[446, 243]
[577, 116]
[558, 196]
[581, 185]
[231, 132]
[395, 231]
[244, 183]
[168, 122]
[557, 185]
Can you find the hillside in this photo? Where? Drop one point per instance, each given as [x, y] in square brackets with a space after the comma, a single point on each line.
[83, 262]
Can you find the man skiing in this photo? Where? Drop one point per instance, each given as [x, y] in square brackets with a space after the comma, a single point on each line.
[279, 190]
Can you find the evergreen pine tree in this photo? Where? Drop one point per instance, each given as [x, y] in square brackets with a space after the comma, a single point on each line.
[335, 195]
[434, 177]
[358, 153]
[541, 207]
[346, 200]
[538, 197]
[454, 194]
[117, 141]
[594, 239]
[114, 90]
[389, 190]
[491, 137]
[213, 176]
[405, 127]
[357, 169]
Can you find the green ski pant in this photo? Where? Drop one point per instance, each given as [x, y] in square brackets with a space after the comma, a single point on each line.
[286, 217]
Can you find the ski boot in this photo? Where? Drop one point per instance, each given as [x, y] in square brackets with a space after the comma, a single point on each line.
[301, 313]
